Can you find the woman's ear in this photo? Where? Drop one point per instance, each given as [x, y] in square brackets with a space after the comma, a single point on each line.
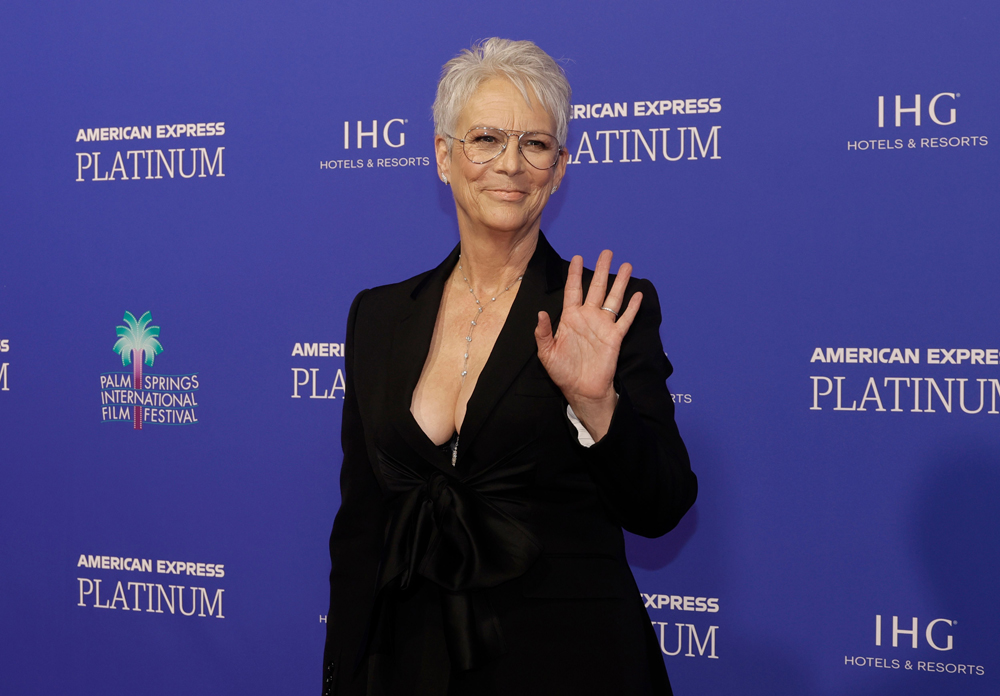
[443, 160]
[560, 170]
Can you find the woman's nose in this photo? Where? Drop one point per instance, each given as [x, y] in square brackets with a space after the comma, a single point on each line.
[510, 160]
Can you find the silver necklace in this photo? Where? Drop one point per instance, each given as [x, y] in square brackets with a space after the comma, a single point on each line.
[479, 311]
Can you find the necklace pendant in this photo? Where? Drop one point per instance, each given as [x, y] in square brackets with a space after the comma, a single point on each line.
[473, 324]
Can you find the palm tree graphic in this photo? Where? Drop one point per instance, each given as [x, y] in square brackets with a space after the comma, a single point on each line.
[134, 339]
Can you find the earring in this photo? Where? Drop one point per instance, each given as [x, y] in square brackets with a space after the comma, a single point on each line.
[444, 179]
[554, 189]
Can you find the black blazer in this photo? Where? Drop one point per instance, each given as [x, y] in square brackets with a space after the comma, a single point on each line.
[505, 573]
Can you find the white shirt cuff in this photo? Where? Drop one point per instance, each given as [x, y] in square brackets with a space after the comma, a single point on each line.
[582, 435]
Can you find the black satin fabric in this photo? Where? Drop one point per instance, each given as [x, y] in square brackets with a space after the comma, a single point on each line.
[459, 533]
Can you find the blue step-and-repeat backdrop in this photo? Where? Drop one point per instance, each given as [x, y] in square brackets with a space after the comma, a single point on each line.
[812, 187]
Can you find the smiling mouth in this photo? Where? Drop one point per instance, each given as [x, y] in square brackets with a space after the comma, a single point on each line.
[507, 194]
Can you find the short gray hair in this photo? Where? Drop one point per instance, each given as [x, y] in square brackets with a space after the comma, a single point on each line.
[527, 66]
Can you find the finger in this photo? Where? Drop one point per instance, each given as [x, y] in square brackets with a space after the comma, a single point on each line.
[625, 320]
[573, 295]
[543, 332]
[617, 294]
[599, 283]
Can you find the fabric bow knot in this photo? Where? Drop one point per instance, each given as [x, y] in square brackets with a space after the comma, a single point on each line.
[455, 533]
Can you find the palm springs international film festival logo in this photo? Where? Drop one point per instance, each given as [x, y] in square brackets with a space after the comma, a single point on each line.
[133, 396]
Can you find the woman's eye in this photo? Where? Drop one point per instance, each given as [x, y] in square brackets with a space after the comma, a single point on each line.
[537, 145]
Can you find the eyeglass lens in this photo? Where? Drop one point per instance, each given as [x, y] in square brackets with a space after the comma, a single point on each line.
[484, 144]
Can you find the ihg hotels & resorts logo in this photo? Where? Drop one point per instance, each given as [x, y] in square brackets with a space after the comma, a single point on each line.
[145, 398]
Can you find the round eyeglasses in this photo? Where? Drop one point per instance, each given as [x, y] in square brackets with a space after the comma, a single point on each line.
[482, 145]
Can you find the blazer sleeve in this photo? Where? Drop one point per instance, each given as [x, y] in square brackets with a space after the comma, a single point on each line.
[355, 542]
[641, 465]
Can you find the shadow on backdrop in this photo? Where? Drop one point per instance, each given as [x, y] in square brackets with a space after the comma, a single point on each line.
[955, 532]
[653, 554]
[957, 539]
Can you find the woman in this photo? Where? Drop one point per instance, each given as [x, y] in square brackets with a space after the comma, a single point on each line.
[500, 429]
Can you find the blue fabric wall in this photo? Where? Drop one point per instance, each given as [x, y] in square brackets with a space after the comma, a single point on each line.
[828, 280]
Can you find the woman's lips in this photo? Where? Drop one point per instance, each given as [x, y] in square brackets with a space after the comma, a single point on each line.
[506, 194]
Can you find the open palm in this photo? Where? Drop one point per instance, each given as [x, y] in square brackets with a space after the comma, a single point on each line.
[582, 355]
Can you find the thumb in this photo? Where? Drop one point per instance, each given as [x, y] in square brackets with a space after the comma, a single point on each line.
[543, 332]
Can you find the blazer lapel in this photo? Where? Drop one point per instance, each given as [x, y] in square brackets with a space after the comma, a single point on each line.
[411, 340]
[540, 290]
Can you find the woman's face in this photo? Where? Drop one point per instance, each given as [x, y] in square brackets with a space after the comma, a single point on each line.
[505, 194]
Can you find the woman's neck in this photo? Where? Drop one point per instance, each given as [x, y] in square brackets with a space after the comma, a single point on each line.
[492, 262]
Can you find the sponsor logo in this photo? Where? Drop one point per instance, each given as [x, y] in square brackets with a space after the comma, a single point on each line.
[4, 347]
[146, 565]
[896, 393]
[322, 350]
[152, 163]
[177, 130]
[392, 134]
[910, 633]
[659, 107]
[640, 143]
[932, 110]
[138, 398]
[914, 633]
[681, 603]
[368, 136]
[150, 596]
[675, 637]
[306, 381]
[902, 111]
[672, 640]
[935, 356]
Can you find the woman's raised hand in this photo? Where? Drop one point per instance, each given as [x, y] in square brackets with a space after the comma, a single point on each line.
[582, 356]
